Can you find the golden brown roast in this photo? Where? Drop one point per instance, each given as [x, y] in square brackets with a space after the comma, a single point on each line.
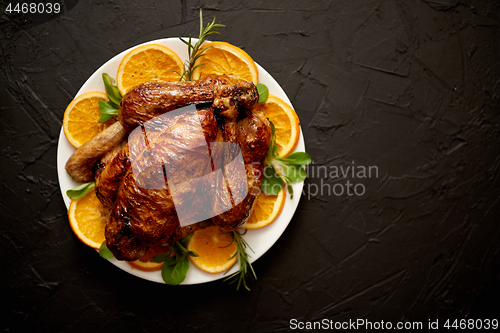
[194, 156]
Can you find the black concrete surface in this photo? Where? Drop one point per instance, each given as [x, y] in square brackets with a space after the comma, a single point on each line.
[411, 88]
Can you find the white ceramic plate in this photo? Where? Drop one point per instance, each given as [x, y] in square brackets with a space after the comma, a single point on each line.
[260, 240]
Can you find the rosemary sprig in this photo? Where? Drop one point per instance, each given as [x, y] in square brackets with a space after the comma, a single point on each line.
[243, 259]
[80, 191]
[194, 50]
[109, 109]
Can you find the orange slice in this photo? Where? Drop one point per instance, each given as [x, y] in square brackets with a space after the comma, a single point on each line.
[265, 210]
[286, 123]
[146, 63]
[82, 118]
[216, 250]
[223, 58]
[87, 218]
[146, 263]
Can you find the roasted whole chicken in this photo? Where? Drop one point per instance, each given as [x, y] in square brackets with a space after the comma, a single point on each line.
[181, 156]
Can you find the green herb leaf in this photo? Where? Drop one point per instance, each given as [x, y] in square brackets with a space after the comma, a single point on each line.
[161, 257]
[176, 262]
[273, 129]
[298, 158]
[295, 173]
[263, 92]
[105, 252]
[109, 109]
[185, 240]
[79, 191]
[175, 273]
[271, 182]
[106, 111]
[192, 254]
[179, 248]
[112, 91]
[289, 186]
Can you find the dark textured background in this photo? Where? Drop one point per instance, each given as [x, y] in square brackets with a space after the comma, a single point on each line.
[411, 87]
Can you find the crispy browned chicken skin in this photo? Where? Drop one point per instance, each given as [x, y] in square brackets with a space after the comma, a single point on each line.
[130, 183]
